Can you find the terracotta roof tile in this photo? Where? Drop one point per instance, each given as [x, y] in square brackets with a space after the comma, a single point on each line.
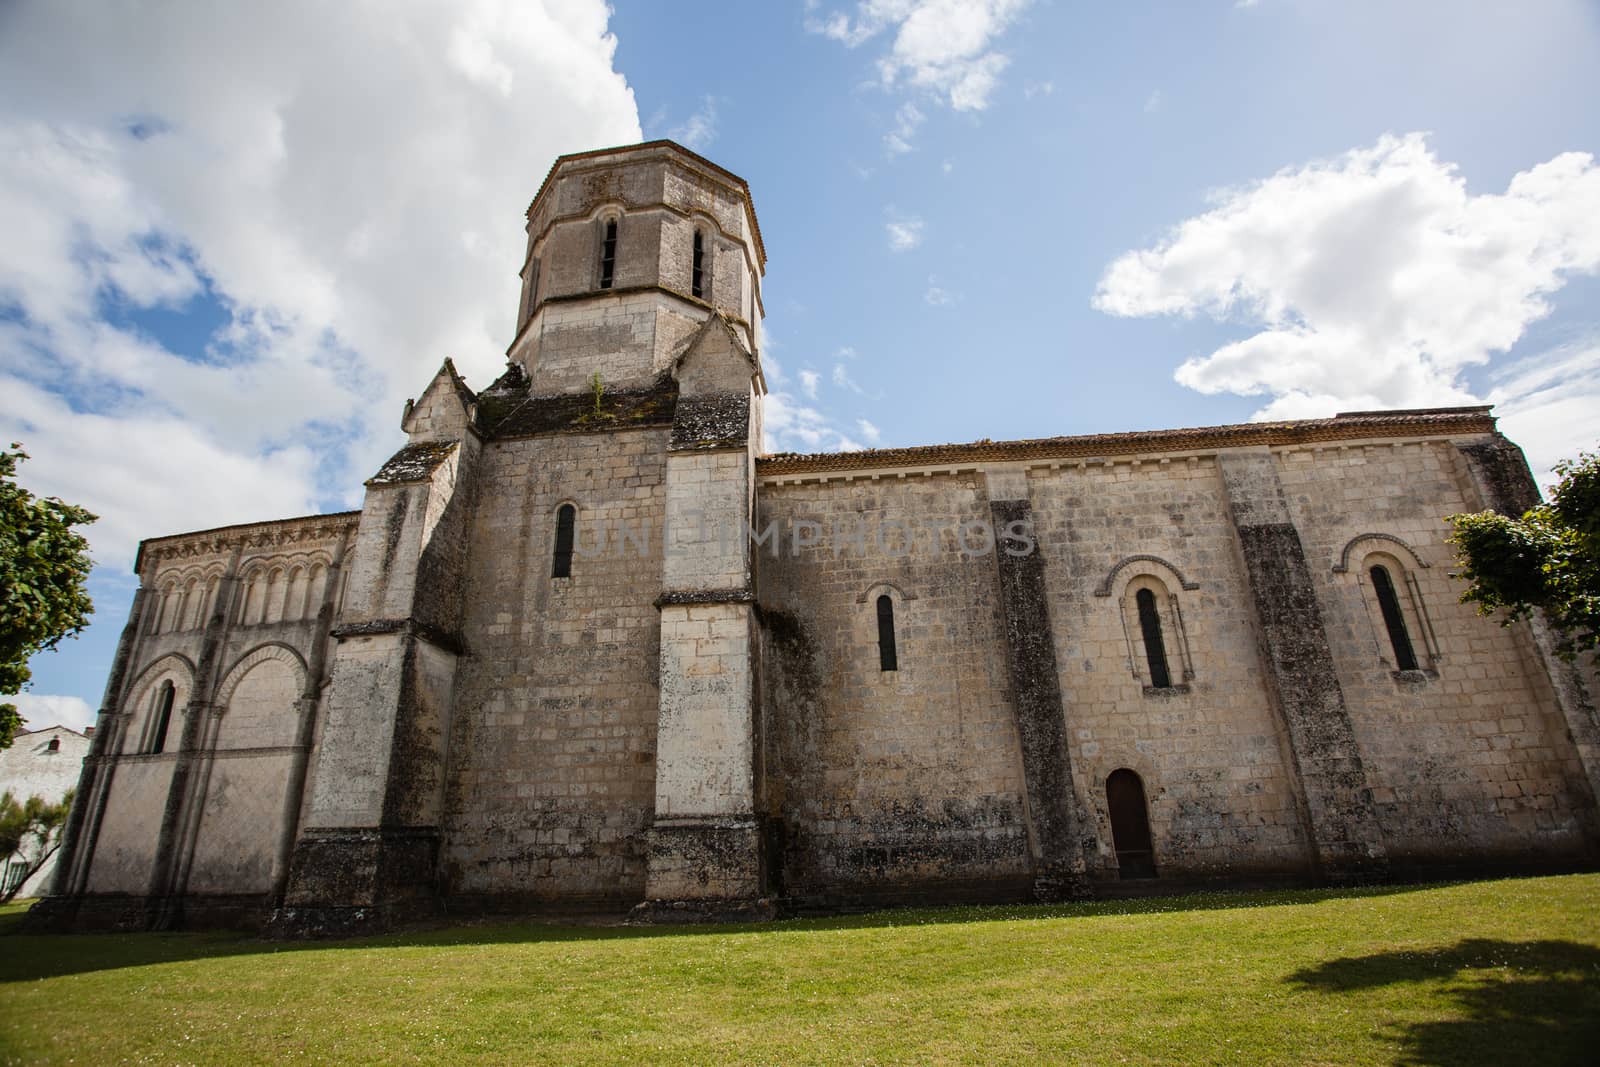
[1343, 427]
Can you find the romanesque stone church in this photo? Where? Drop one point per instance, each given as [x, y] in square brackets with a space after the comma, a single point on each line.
[585, 646]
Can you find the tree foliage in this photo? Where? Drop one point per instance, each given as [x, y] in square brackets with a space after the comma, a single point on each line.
[1549, 559]
[44, 565]
[29, 833]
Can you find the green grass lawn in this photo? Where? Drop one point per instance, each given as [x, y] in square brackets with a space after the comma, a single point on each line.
[1490, 972]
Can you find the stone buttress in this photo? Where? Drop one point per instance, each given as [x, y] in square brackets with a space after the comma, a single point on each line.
[368, 852]
[705, 857]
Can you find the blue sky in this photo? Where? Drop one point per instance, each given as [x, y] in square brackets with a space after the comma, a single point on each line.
[238, 236]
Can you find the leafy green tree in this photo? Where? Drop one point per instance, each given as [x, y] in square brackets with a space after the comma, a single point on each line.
[44, 565]
[30, 833]
[1548, 559]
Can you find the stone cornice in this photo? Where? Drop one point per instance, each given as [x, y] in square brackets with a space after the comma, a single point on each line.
[223, 539]
[693, 597]
[693, 302]
[720, 175]
[1352, 426]
[449, 641]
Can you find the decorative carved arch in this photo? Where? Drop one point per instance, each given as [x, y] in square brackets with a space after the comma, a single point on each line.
[1343, 565]
[255, 657]
[870, 593]
[1104, 588]
[153, 673]
[1368, 548]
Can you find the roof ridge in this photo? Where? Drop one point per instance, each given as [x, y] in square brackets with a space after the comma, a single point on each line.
[1345, 426]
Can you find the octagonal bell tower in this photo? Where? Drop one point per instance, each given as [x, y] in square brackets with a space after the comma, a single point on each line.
[629, 249]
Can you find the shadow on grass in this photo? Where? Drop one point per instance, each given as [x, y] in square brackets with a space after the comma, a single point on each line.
[28, 957]
[1535, 1002]
[31, 957]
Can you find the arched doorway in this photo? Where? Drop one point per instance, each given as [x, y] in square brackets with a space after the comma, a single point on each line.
[1130, 825]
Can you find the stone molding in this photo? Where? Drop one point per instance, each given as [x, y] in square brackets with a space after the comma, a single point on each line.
[1441, 423]
[1104, 588]
[1343, 565]
[256, 656]
[223, 539]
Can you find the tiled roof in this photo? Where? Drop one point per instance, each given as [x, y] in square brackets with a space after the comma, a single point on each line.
[575, 412]
[413, 463]
[1347, 426]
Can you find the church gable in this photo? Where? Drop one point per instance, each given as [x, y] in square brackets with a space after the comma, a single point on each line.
[445, 409]
[714, 360]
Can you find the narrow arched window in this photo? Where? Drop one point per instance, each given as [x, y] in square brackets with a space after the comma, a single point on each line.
[887, 661]
[1404, 658]
[530, 293]
[608, 254]
[566, 518]
[1155, 649]
[698, 275]
[163, 716]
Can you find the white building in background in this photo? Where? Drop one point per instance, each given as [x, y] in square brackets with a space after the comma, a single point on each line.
[41, 763]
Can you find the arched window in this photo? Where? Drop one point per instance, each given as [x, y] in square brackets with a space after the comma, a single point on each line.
[608, 254]
[887, 660]
[530, 292]
[1130, 825]
[162, 711]
[566, 518]
[697, 276]
[1393, 620]
[1155, 649]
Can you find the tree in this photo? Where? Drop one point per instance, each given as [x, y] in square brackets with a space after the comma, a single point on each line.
[44, 565]
[30, 833]
[1549, 559]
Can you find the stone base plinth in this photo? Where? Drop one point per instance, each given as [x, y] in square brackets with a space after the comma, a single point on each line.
[709, 859]
[346, 882]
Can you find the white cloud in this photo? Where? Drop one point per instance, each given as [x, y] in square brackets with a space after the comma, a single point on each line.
[843, 380]
[1550, 405]
[1033, 89]
[907, 118]
[808, 383]
[356, 223]
[788, 426]
[905, 232]
[944, 47]
[937, 295]
[700, 129]
[41, 710]
[1374, 279]
[869, 431]
[146, 471]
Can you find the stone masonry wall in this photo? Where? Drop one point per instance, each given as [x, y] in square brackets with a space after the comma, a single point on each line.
[887, 783]
[1208, 748]
[552, 774]
[1468, 757]
[265, 618]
